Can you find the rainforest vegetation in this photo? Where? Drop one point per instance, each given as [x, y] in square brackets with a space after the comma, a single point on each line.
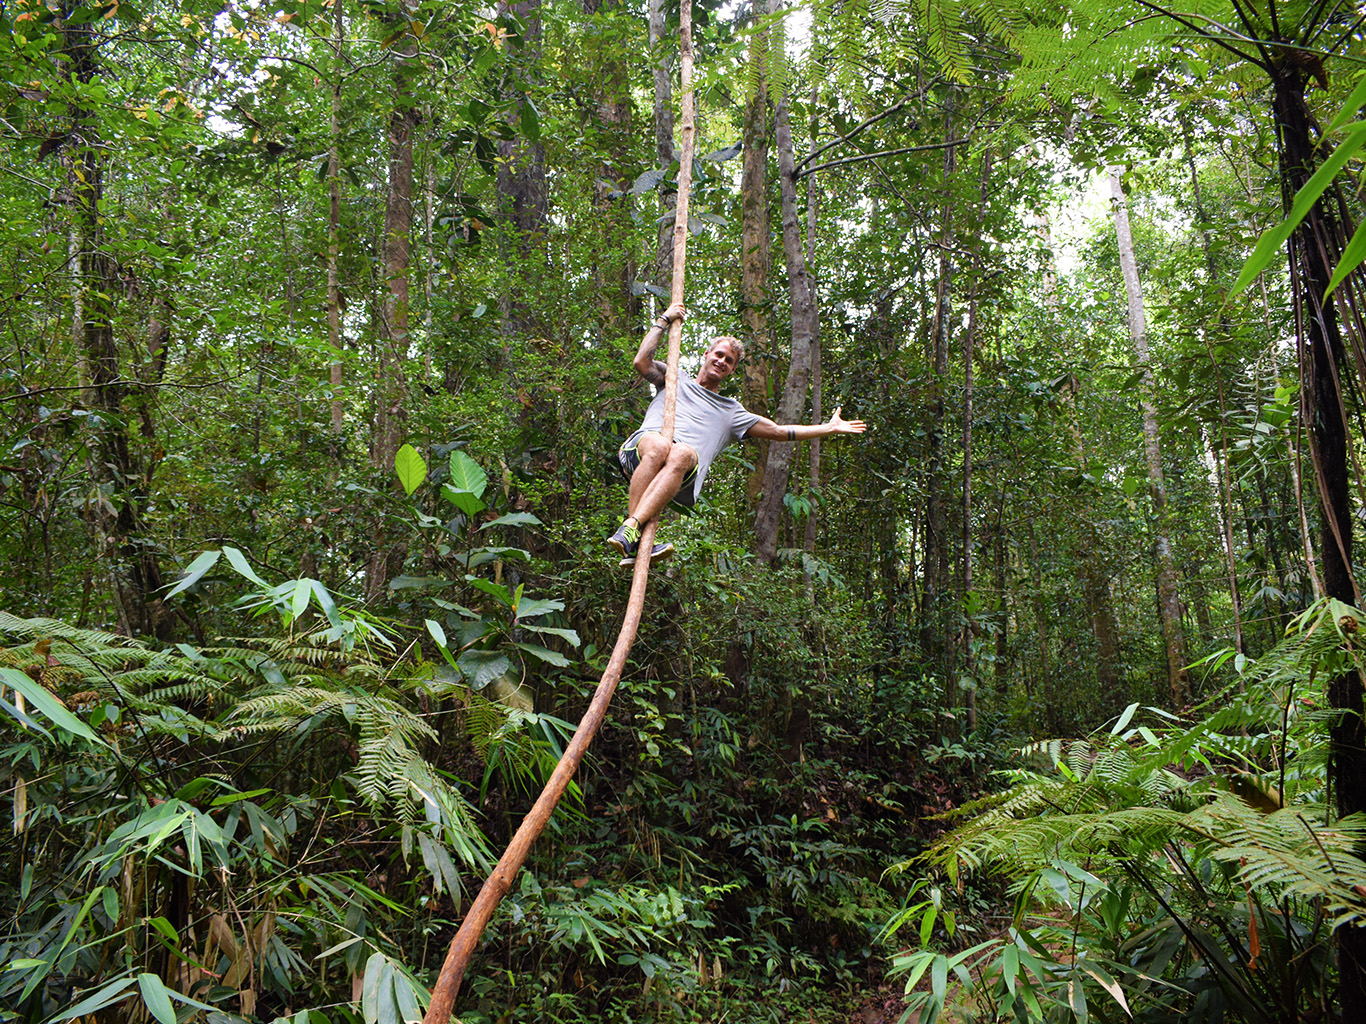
[1039, 701]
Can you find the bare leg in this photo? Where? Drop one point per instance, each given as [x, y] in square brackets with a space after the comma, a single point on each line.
[653, 454]
[663, 484]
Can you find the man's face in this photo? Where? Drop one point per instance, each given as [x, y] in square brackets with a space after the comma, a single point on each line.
[717, 364]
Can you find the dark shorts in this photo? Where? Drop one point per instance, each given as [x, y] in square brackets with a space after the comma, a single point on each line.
[628, 458]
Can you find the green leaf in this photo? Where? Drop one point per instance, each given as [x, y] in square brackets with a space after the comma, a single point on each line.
[530, 607]
[1351, 258]
[299, 602]
[530, 122]
[111, 993]
[154, 995]
[466, 474]
[514, 519]
[195, 571]
[410, 467]
[239, 562]
[1349, 109]
[568, 635]
[164, 927]
[1273, 238]
[418, 583]
[548, 656]
[43, 701]
[465, 501]
[483, 667]
[496, 590]
[1124, 720]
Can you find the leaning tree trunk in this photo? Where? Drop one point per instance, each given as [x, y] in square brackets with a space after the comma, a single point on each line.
[805, 325]
[1168, 600]
[1314, 247]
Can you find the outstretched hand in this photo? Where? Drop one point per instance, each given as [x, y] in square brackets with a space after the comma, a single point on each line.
[840, 425]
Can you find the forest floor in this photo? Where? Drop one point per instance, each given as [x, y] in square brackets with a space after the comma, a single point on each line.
[883, 1007]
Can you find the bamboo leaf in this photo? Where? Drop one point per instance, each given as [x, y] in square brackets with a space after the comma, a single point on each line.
[42, 700]
[239, 562]
[154, 995]
[195, 571]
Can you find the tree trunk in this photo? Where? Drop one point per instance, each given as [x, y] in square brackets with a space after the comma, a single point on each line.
[755, 260]
[1168, 600]
[814, 445]
[664, 141]
[805, 329]
[334, 335]
[114, 511]
[1315, 247]
[391, 411]
[936, 540]
[614, 266]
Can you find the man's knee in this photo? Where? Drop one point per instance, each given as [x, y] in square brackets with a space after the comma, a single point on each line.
[651, 448]
[682, 457]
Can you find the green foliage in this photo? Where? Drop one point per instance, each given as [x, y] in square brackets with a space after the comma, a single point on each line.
[1198, 863]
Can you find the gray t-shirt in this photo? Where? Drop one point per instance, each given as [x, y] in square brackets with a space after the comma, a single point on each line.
[703, 420]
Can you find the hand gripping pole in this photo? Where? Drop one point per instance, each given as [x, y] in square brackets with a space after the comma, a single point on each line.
[500, 881]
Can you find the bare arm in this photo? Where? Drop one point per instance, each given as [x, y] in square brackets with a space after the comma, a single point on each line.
[770, 431]
[645, 362]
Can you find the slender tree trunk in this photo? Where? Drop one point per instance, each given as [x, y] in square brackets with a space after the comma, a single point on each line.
[391, 410]
[936, 540]
[814, 445]
[805, 329]
[755, 260]
[665, 153]
[614, 267]
[1169, 602]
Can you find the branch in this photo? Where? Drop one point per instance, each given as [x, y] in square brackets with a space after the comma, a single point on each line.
[122, 382]
[852, 132]
[873, 156]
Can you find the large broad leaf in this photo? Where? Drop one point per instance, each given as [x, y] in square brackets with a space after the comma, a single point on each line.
[410, 467]
[196, 570]
[514, 519]
[530, 607]
[496, 590]
[466, 501]
[483, 667]
[569, 636]
[467, 475]
[44, 702]
[545, 654]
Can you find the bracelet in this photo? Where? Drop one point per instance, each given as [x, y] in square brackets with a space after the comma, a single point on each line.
[791, 433]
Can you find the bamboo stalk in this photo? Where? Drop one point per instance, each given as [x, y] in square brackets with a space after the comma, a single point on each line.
[498, 884]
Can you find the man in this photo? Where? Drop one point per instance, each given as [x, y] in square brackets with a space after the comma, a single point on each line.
[704, 423]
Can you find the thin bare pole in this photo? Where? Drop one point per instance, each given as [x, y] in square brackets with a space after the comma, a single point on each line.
[500, 881]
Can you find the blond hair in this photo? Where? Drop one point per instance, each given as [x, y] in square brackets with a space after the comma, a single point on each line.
[734, 343]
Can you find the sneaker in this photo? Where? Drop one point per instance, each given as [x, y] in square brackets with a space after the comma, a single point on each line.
[658, 553]
[626, 539]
